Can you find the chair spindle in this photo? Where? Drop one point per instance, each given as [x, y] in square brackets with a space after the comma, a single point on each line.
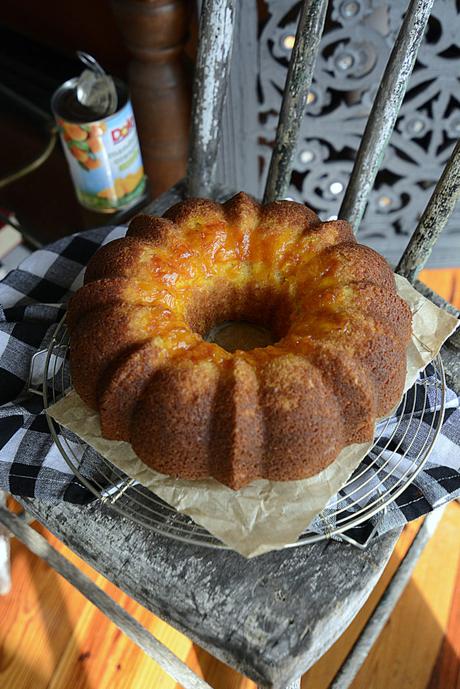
[384, 112]
[298, 81]
[211, 78]
[433, 220]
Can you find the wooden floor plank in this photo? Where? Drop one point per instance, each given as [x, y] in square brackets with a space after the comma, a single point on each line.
[396, 647]
[38, 617]
[216, 673]
[446, 671]
[444, 281]
[52, 637]
[408, 646]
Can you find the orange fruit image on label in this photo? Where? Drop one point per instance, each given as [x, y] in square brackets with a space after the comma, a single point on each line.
[79, 154]
[75, 132]
[92, 163]
[96, 130]
[95, 144]
[123, 185]
[103, 155]
[108, 193]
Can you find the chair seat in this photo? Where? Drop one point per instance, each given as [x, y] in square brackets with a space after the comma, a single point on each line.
[270, 618]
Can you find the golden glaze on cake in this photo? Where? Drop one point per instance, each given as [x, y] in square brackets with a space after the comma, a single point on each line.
[193, 410]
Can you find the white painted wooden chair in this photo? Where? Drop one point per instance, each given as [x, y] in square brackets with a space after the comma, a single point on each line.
[263, 617]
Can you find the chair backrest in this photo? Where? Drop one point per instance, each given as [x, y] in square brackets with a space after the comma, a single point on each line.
[237, 125]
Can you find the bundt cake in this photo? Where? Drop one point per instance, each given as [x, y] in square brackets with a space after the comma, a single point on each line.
[192, 409]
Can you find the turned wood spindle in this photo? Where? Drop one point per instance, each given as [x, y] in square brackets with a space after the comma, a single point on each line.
[155, 33]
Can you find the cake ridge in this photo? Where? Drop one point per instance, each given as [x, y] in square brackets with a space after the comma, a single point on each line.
[193, 410]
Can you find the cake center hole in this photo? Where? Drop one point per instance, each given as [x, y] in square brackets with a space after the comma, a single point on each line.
[233, 335]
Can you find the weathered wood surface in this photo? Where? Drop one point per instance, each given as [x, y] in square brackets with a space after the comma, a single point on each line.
[131, 627]
[451, 350]
[178, 193]
[387, 604]
[384, 111]
[5, 573]
[237, 160]
[209, 90]
[435, 216]
[293, 106]
[270, 617]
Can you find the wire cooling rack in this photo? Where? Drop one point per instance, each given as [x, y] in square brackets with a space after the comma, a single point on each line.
[377, 482]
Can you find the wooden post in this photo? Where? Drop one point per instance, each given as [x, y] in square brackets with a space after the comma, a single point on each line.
[5, 575]
[155, 32]
[237, 162]
[381, 614]
[211, 79]
[385, 109]
[433, 220]
[298, 81]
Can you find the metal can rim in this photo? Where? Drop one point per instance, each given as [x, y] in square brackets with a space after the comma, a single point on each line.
[122, 90]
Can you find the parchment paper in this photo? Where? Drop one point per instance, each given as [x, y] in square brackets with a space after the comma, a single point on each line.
[265, 515]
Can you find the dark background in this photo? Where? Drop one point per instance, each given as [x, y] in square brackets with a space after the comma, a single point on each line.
[38, 41]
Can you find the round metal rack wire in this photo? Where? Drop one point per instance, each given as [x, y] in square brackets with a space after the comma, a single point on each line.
[379, 480]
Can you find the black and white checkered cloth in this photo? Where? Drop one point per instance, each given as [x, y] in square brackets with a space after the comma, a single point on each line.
[32, 301]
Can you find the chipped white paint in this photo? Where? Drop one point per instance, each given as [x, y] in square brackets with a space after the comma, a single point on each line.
[5, 575]
[294, 685]
[211, 77]
[219, 53]
[295, 97]
[435, 217]
[385, 110]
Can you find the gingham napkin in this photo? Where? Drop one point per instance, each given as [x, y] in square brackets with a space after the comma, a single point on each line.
[32, 301]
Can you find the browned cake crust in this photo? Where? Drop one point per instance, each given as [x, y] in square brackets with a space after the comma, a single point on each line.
[193, 410]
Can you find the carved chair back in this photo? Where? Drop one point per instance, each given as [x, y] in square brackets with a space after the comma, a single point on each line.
[217, 37]
[354, 49]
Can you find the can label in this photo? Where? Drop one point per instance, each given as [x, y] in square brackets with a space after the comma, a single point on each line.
[105, 160]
